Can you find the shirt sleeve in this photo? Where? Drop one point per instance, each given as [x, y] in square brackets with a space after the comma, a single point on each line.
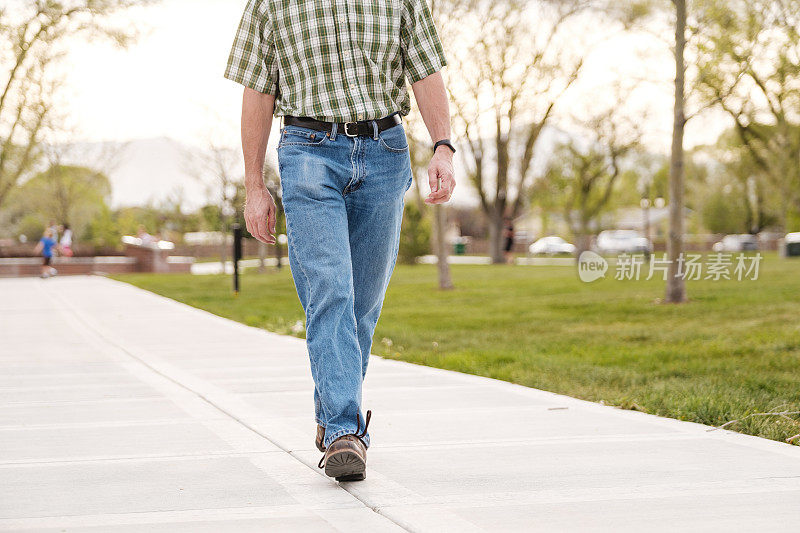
[422, 51]
[252, 61]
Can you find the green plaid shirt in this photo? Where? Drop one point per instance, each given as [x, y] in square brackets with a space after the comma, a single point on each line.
[335, 60]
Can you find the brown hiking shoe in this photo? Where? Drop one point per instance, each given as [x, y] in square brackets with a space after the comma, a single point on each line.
[346, 457]
[320, 438]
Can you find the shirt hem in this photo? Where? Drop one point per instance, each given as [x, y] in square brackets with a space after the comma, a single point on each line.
[269, 88]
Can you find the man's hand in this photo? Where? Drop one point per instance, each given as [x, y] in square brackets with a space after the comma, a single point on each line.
[432, 102]
[440, 176]
[259, 208]
[259, 214]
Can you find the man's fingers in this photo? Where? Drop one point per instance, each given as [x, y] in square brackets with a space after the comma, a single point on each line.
[443, 191]
[272, 220]
[258, 231]
[440, 179]
[438, 197]
[269, 225]
[433, 179]
[263, 234]
[443, 194]
[251, 228]
[260, 216]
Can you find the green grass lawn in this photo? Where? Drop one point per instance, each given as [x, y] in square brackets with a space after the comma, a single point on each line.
[732, 351]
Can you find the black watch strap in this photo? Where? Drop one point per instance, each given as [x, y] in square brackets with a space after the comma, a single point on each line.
[444, 142]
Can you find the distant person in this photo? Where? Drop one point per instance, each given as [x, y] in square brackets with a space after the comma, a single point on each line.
[508, 235]
[45, 246]
[144, 237]
[338, 73]
[65, 243]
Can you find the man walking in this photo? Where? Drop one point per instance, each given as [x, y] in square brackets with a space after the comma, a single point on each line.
[336, 71]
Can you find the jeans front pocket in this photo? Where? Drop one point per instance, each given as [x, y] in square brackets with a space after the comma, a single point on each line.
[300, 136]
[394, 139]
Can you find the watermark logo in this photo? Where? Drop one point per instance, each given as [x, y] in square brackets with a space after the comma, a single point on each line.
[690, 267]
[591, 266]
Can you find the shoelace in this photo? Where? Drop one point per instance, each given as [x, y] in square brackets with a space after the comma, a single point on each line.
[360, 433]
[366, 425]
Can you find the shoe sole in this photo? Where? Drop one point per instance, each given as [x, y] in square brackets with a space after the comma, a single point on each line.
[346, 466]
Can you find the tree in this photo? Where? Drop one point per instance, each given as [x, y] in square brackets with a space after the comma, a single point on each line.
[415, 237]
[420, 157]
[749, 65]
[32, 41]
[226, 181]
[676, 287]
[747, 61]
[739, 195]
[67, 194]
[103, 230]
[584, 173]
[682, 16]
[512, 74]
[724, 211]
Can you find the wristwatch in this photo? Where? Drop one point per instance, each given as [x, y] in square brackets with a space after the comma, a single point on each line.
[444, 142]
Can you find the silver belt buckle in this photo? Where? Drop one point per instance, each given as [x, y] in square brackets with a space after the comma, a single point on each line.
[345, 129]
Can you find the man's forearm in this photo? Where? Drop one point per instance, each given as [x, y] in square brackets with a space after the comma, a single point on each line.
[257, 111]
[435, 110]
[434, 107]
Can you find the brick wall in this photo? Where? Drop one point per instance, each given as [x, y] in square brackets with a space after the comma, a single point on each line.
[137, 259]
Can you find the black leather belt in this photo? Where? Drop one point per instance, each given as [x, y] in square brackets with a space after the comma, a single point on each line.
[351, 129]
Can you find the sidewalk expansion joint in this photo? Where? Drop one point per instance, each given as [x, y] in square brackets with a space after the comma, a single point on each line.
[78, 317]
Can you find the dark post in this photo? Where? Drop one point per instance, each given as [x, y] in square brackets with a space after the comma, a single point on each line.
[237, 255]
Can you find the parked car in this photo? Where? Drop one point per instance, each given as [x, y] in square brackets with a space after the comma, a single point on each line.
[622, 241]
[791, 245]
[737, 243]
[551, 245]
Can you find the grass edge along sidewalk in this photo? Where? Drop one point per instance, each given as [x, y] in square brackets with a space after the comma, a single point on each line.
[730, 354]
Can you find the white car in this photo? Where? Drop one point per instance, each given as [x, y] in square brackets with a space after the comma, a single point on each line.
[791, 245]
[737, 243]
[622, 241]
[551, 245]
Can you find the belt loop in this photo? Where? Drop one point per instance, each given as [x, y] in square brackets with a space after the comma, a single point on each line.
[333, 130]
[375, 130]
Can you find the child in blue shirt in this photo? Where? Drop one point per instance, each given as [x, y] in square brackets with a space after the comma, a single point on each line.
[45, 246]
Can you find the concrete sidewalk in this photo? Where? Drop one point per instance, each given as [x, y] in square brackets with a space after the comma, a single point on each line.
[124, 411]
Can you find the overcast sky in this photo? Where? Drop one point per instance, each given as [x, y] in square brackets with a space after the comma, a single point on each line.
[167, 84]
[170, 82]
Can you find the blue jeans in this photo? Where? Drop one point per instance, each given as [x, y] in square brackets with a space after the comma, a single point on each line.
[343, 199]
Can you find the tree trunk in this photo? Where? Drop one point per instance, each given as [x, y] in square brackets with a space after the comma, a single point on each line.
[223, 251]
[496, 239]
[676, 287]
[439, 224]
[262, 257]
[278, 252]
[582, 242]
[583, 236]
